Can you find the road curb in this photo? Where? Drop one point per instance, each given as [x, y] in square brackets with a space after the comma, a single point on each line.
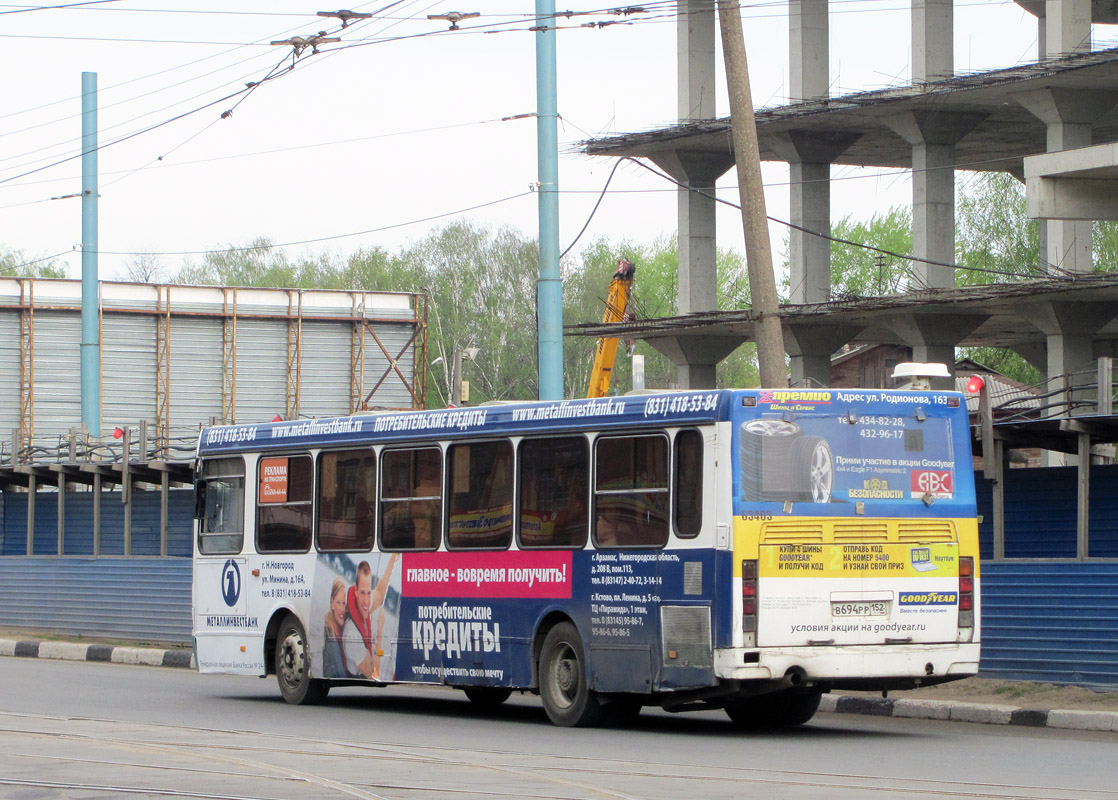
[117, 654]
[982, 713]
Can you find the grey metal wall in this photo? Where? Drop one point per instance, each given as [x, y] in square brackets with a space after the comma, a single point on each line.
[128, 366]
[139, 599]
[57, 359]
[9, 374]
[195, 391]
[261, 369]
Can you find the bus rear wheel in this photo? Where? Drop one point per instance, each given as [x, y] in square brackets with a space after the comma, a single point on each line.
[293, 666]
[567, 699]
[776, 710]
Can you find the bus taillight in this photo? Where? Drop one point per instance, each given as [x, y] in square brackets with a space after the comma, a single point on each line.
[749, 602]
[966, 592]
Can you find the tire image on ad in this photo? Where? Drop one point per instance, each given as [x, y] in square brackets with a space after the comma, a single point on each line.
[765, 452]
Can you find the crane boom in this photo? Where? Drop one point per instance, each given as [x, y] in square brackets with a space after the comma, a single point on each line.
[606, 352]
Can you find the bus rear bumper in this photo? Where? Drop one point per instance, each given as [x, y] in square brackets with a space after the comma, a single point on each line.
[878, 666]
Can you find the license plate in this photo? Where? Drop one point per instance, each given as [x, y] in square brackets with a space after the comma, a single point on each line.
[872, 608]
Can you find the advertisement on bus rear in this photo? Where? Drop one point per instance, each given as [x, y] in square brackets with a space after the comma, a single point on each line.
[838, 452]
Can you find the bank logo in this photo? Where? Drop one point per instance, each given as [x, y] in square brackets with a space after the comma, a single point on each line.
[231, 583]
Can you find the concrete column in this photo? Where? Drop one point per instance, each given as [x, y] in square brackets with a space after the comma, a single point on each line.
[1068, 328]
[933, 136]
[933, 43]
[809, 69]
[695, 39]
[1067, 27]
[696, 356]
[698, 271]
[809, 157]
[696, 36]
[1069, 115]
[934, 337]
[811, 348]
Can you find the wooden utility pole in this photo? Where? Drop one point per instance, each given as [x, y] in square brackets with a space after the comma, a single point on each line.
[758, 252]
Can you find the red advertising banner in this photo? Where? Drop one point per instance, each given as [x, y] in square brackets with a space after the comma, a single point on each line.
[495, 575]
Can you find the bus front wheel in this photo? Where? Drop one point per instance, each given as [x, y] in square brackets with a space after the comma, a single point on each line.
[567, 699]
[293, 666]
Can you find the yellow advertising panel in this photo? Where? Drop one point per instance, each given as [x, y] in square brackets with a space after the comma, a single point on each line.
[884, 560]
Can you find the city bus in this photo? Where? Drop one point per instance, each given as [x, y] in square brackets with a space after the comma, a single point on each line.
[745, 550]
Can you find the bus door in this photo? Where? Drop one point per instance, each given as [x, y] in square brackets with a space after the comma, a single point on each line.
[687, 569]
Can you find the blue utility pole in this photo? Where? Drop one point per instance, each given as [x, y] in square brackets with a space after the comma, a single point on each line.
[91, 339]
[549, 287]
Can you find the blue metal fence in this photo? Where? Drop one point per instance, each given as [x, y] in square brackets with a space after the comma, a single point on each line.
[141, 599]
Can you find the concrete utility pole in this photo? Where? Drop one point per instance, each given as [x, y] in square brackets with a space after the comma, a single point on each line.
[90, 349]
[758, 252]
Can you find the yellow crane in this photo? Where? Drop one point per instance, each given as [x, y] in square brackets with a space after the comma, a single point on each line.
[606, 352]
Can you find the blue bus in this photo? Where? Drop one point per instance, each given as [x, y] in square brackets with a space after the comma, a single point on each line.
[746, 550]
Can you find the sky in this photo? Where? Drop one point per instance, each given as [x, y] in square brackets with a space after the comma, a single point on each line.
[400, 127]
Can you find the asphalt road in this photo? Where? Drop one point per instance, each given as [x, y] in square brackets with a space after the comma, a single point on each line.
[84, 730]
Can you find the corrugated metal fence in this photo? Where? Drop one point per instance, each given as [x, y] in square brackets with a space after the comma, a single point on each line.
[137, 599]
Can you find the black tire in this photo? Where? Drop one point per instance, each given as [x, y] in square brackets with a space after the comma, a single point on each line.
[766, 459]
[623, 713]
[293, 665]
[488, 696]
[567, 698]
[776, 710]
[812, 470]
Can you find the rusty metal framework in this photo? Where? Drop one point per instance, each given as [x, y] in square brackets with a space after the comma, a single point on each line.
[163, 368]
[357, 354]
[294, 351]
[229, 357]
[26, 367]
[417, 386]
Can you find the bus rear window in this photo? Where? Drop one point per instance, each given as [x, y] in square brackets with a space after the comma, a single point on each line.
[346, 498]
[631, 491]
[221, 506]
[554, 486]
[283, 508]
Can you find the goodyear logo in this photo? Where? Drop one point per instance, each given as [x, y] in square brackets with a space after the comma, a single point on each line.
[928, 598]
[794, 396]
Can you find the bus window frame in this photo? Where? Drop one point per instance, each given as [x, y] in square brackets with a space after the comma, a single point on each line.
[371, 500]
[448, 494]
[666, 490]
[202, 492]
[440, 532]
[311, 502]
[673, 480]
[588, 449]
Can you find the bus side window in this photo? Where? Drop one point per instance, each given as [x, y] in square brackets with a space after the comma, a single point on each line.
[479, 495]
[411, 502]
[688, 483]
[283, 507]
[554, 487]
[346, 499]
[221, 511]
[631, 491]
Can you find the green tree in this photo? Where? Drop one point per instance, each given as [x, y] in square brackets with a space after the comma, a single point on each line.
[993, 233]
[857, 271]
[14, 264]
